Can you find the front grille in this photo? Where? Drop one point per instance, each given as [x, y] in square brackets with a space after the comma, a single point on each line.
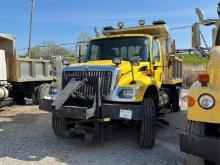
[87, 89]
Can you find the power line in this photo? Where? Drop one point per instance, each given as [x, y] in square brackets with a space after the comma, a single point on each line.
[14, 7]
[62, 44]
[46, 3]
[12, 12]
[43, 46]
[73, 43]
[181, 27]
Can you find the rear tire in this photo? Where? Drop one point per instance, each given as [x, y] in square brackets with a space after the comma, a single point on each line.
[34, 99]
[58, 124]
[147, 126]
[198, 129]
[174, 99]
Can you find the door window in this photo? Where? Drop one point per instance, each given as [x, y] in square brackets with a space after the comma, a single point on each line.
[156, 51]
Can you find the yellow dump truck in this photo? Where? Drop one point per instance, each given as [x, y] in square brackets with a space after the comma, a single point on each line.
[201, 141]
[128, 74]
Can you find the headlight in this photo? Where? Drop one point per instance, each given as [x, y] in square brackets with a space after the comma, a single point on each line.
[206, 101]
[126, 93]
[53, 90]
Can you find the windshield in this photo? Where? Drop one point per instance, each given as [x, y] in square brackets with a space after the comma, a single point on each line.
[124, 48]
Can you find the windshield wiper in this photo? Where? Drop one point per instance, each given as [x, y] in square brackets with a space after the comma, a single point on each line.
[128, 59]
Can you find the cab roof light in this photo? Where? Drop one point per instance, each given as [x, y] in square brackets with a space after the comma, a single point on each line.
[141, 22]
[121, 25]
[160, 22]
[108, 28]
[204, 79]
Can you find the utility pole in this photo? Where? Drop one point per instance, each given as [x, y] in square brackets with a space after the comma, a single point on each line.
[30, 30]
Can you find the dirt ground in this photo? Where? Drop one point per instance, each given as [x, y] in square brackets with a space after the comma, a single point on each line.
[26, 137]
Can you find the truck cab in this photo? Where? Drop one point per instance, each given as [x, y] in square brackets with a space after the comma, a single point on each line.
[126, 74]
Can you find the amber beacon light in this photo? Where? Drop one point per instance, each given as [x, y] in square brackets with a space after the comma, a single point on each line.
[204, 79]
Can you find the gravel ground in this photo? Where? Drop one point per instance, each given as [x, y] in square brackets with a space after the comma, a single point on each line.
[26, 137]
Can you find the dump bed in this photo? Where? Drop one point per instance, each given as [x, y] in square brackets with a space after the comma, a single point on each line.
[27, 69]
[24, 69]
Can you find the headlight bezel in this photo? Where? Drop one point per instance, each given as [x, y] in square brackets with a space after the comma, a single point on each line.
[206, 95]
[131, 90]
[120, 99]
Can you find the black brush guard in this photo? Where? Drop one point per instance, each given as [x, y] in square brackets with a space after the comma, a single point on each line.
[62, 109]
[97, 112]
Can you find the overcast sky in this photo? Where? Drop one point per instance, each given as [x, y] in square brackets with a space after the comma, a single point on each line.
[62, 21]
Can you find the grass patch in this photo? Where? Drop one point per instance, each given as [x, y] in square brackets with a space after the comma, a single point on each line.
[195, 60]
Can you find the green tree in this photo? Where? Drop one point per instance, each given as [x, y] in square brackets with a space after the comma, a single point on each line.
[49, 49]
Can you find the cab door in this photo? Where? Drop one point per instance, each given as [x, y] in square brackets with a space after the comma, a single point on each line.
[157, 62]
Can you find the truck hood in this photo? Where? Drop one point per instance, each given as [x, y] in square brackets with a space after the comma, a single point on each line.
[121, 73]
[124, 67]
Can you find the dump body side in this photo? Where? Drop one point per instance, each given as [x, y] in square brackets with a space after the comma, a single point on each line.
[24, 69]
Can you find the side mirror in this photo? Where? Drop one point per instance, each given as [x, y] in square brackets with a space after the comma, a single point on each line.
[171, 60]
[66, 62]
[214, 32]
[53, 90]
[135, 60]
[79, 53]
[171, 45]
[218, 9]
[196, 41]
[116, 61]
[156, 59]
[200, 14]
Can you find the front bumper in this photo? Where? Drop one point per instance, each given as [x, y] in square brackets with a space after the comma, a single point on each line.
[207, 148]
[109, 110]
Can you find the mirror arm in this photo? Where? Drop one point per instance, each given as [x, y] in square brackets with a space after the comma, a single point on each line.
[201, 50]
[203, 38]
[169, 60]
[132, 73]
[133, 61]
[79, 60]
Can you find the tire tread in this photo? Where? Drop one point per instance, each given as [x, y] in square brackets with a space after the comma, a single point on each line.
[198, 129]
[147, 133]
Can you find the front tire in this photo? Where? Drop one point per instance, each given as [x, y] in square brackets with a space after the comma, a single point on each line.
[58, 124]
[197, 129]
[147, 126]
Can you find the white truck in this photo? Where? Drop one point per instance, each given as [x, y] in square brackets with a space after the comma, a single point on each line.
[4, 92]
[22, 77]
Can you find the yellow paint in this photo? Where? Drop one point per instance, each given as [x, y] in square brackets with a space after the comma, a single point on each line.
[122, 35]
[172, 81]
[197, 113]
[142, 78]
